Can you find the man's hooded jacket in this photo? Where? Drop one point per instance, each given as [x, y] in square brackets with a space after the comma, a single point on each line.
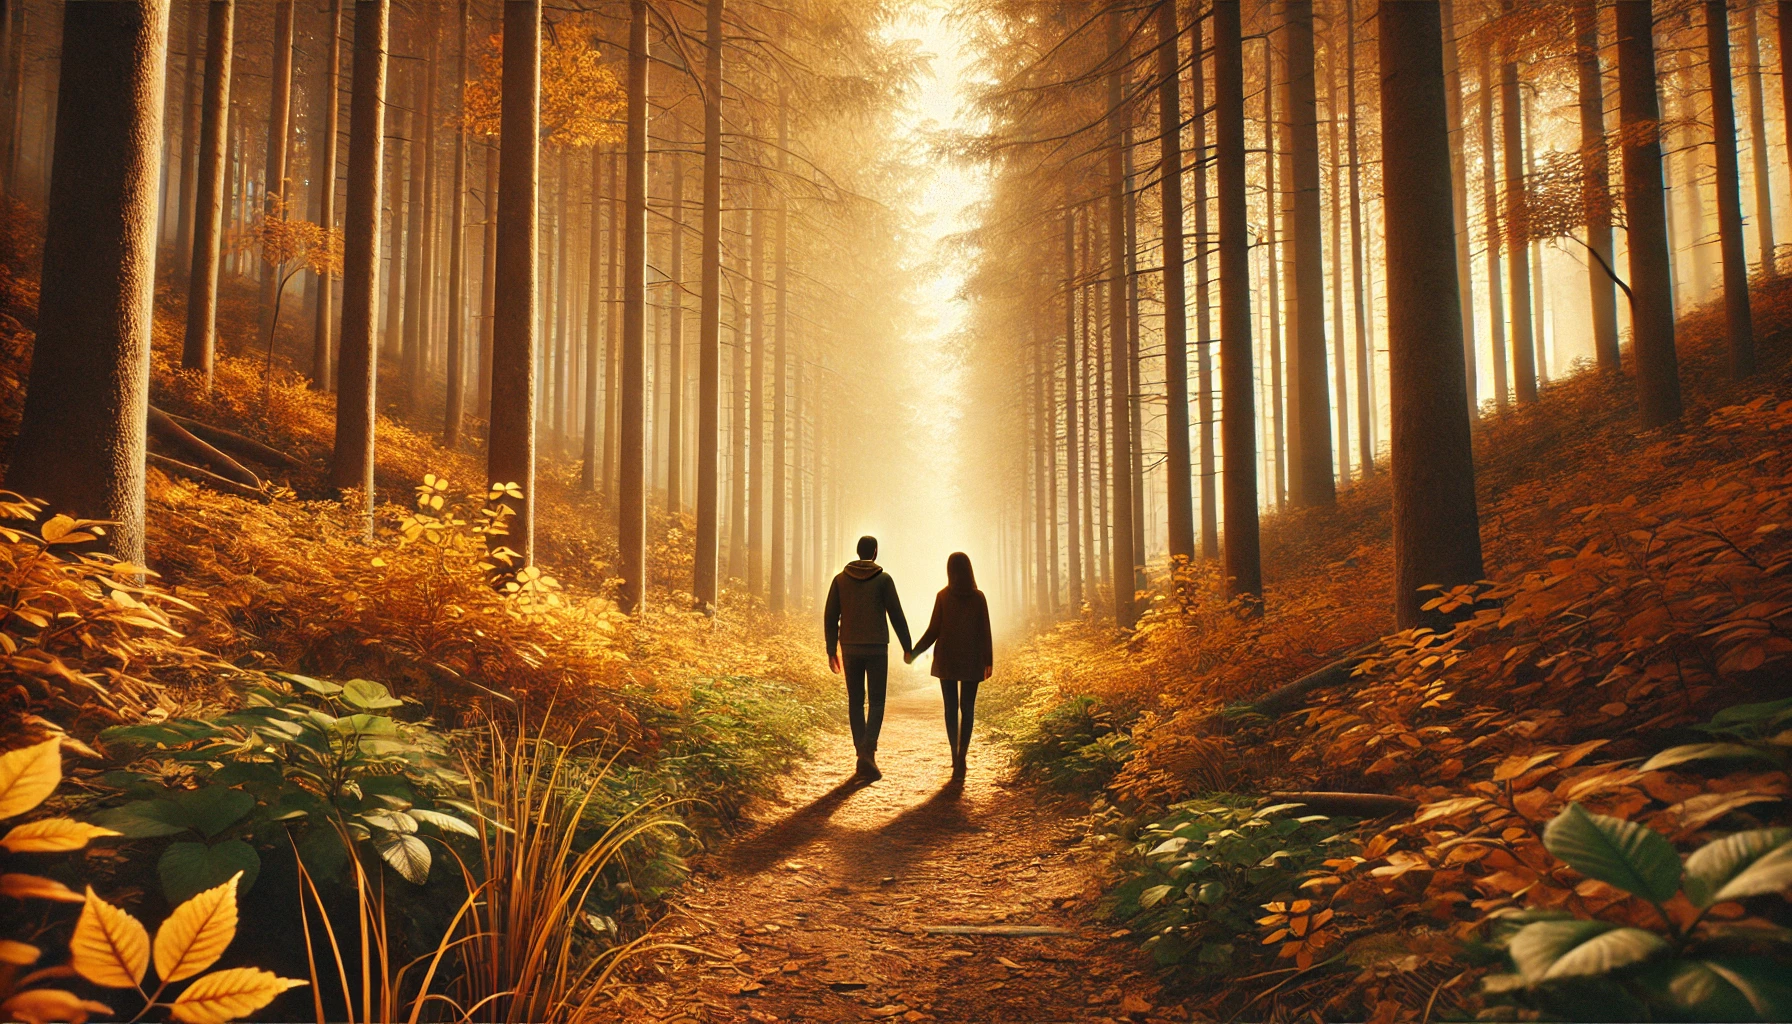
[862, 595]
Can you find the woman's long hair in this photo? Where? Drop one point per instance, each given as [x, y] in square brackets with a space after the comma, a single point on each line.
[958, 574]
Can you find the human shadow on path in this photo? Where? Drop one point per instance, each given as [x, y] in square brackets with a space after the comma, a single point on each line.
[779, 841]
[926, 826]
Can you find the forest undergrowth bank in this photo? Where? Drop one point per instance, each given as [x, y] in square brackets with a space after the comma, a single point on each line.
[363, 728]
[1637, 601]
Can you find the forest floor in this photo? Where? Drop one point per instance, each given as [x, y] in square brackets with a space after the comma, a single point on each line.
[819, 911]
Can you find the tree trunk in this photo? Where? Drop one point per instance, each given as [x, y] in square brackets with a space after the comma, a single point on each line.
[1459, 195]
[390, 346]
[594, 321]
[1072, 467]
[323, 168]
[709, 327]
[208, 220]
[457, 252]
[1757, 137]
[1044, 596]
[1280, 424]
[1595, 184]
[358, 358]
[1118, 311]
[274, 185]
[1203, 320]
[632, 494]
[511, 459]
[189, 128]
[1244, 569]
[1178, 465]
[1518, 232]
[81, 445]
[1496, 302]
[1340, 372]
[780, 371]
[1359, 306]
[1645, 211]
[1739, 322]
[737, 442]
[1089, 490]
[1437, 537]
[755, 388]
[488, 258]
[613, 331]
[416, 258]
[1310, 405]
[1049, 427]
[675, 415]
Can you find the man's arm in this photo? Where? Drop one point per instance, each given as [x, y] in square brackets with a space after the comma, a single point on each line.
[893, 605]
[830, 620]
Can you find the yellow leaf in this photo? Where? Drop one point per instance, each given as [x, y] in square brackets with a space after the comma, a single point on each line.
[43, 1005]
[52, 835]
[28, 775]
[195, 935]
[18, 954]
[57, 528]
[34, 887]
[227, 995]
[110, 947]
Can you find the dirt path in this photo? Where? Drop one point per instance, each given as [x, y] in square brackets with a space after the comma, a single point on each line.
[820, 912]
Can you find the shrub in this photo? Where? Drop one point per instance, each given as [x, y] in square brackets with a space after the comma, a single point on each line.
[1074, 747]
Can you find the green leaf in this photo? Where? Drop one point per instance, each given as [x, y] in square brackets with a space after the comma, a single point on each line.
[1153, 896]
[1750, 717]
[368, 695]
[391, 821]
[1633, 857]
[322, 686]
[1745, 988]
[1551, 950]
[408, 854]
[187, 869]
[255, 773]
[1753, 863]
[215, 808]
[1761, 981]
[322, 851]
[445, 822]
[366, 725]
[1707, 752]
[144, 819]
[171, 733]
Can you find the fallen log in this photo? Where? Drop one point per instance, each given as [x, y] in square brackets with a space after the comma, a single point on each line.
[163, 428]
[1354, 805]
[1006, 931]
[1286, 698]
[206, 477]
[235, 443]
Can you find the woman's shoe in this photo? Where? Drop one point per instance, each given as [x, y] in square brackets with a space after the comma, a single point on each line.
[868, 768]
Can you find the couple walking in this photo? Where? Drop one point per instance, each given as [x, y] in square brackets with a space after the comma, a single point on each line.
[861, 598]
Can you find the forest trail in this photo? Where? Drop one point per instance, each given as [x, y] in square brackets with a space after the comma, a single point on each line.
[819, 911]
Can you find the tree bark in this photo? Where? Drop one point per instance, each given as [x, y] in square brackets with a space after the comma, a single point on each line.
[1340, 373]
[1459, 195]
[1244, 569]
[632, 494]
[1281, 425]
[511, 459]
[1118, 313]
[709, 327]
[1645, 210]
[1517, 234]
[1739, 323]
[189, 129]
[1437, 537]
[81, 445]
[738, 445]
[456, 402]
[594, 329]
[208, 220]
[1311, 405]
[780, 371]
[488, 258]
[1210, 529]
[1596, 185]
[675, 414]
[755, 388]
[1178, 466]
[1365, 406]
[1496, 302]
[358, 358]
[324, 158]
[1043, 592]
[274, 185]
[1757, 137]
[1072, 470]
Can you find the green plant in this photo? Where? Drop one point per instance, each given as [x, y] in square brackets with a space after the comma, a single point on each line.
[1076, 746]
[109, 947]
[303, 756]
[1687, 965]
[1745, 732]
[1198, 878]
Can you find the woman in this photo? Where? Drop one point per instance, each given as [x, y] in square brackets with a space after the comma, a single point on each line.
[965, 656]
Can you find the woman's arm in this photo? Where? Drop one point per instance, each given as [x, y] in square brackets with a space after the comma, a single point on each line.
[985, 640]
[933, 630]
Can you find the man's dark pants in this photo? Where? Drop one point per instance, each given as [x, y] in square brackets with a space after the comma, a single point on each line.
[866, 671]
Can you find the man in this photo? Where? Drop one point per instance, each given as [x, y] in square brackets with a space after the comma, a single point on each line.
[860, 598]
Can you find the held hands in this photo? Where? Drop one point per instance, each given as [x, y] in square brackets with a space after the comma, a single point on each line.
[834, 663]
[908, 657]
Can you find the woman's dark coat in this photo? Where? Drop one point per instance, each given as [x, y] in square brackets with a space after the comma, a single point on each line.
[960, 626]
